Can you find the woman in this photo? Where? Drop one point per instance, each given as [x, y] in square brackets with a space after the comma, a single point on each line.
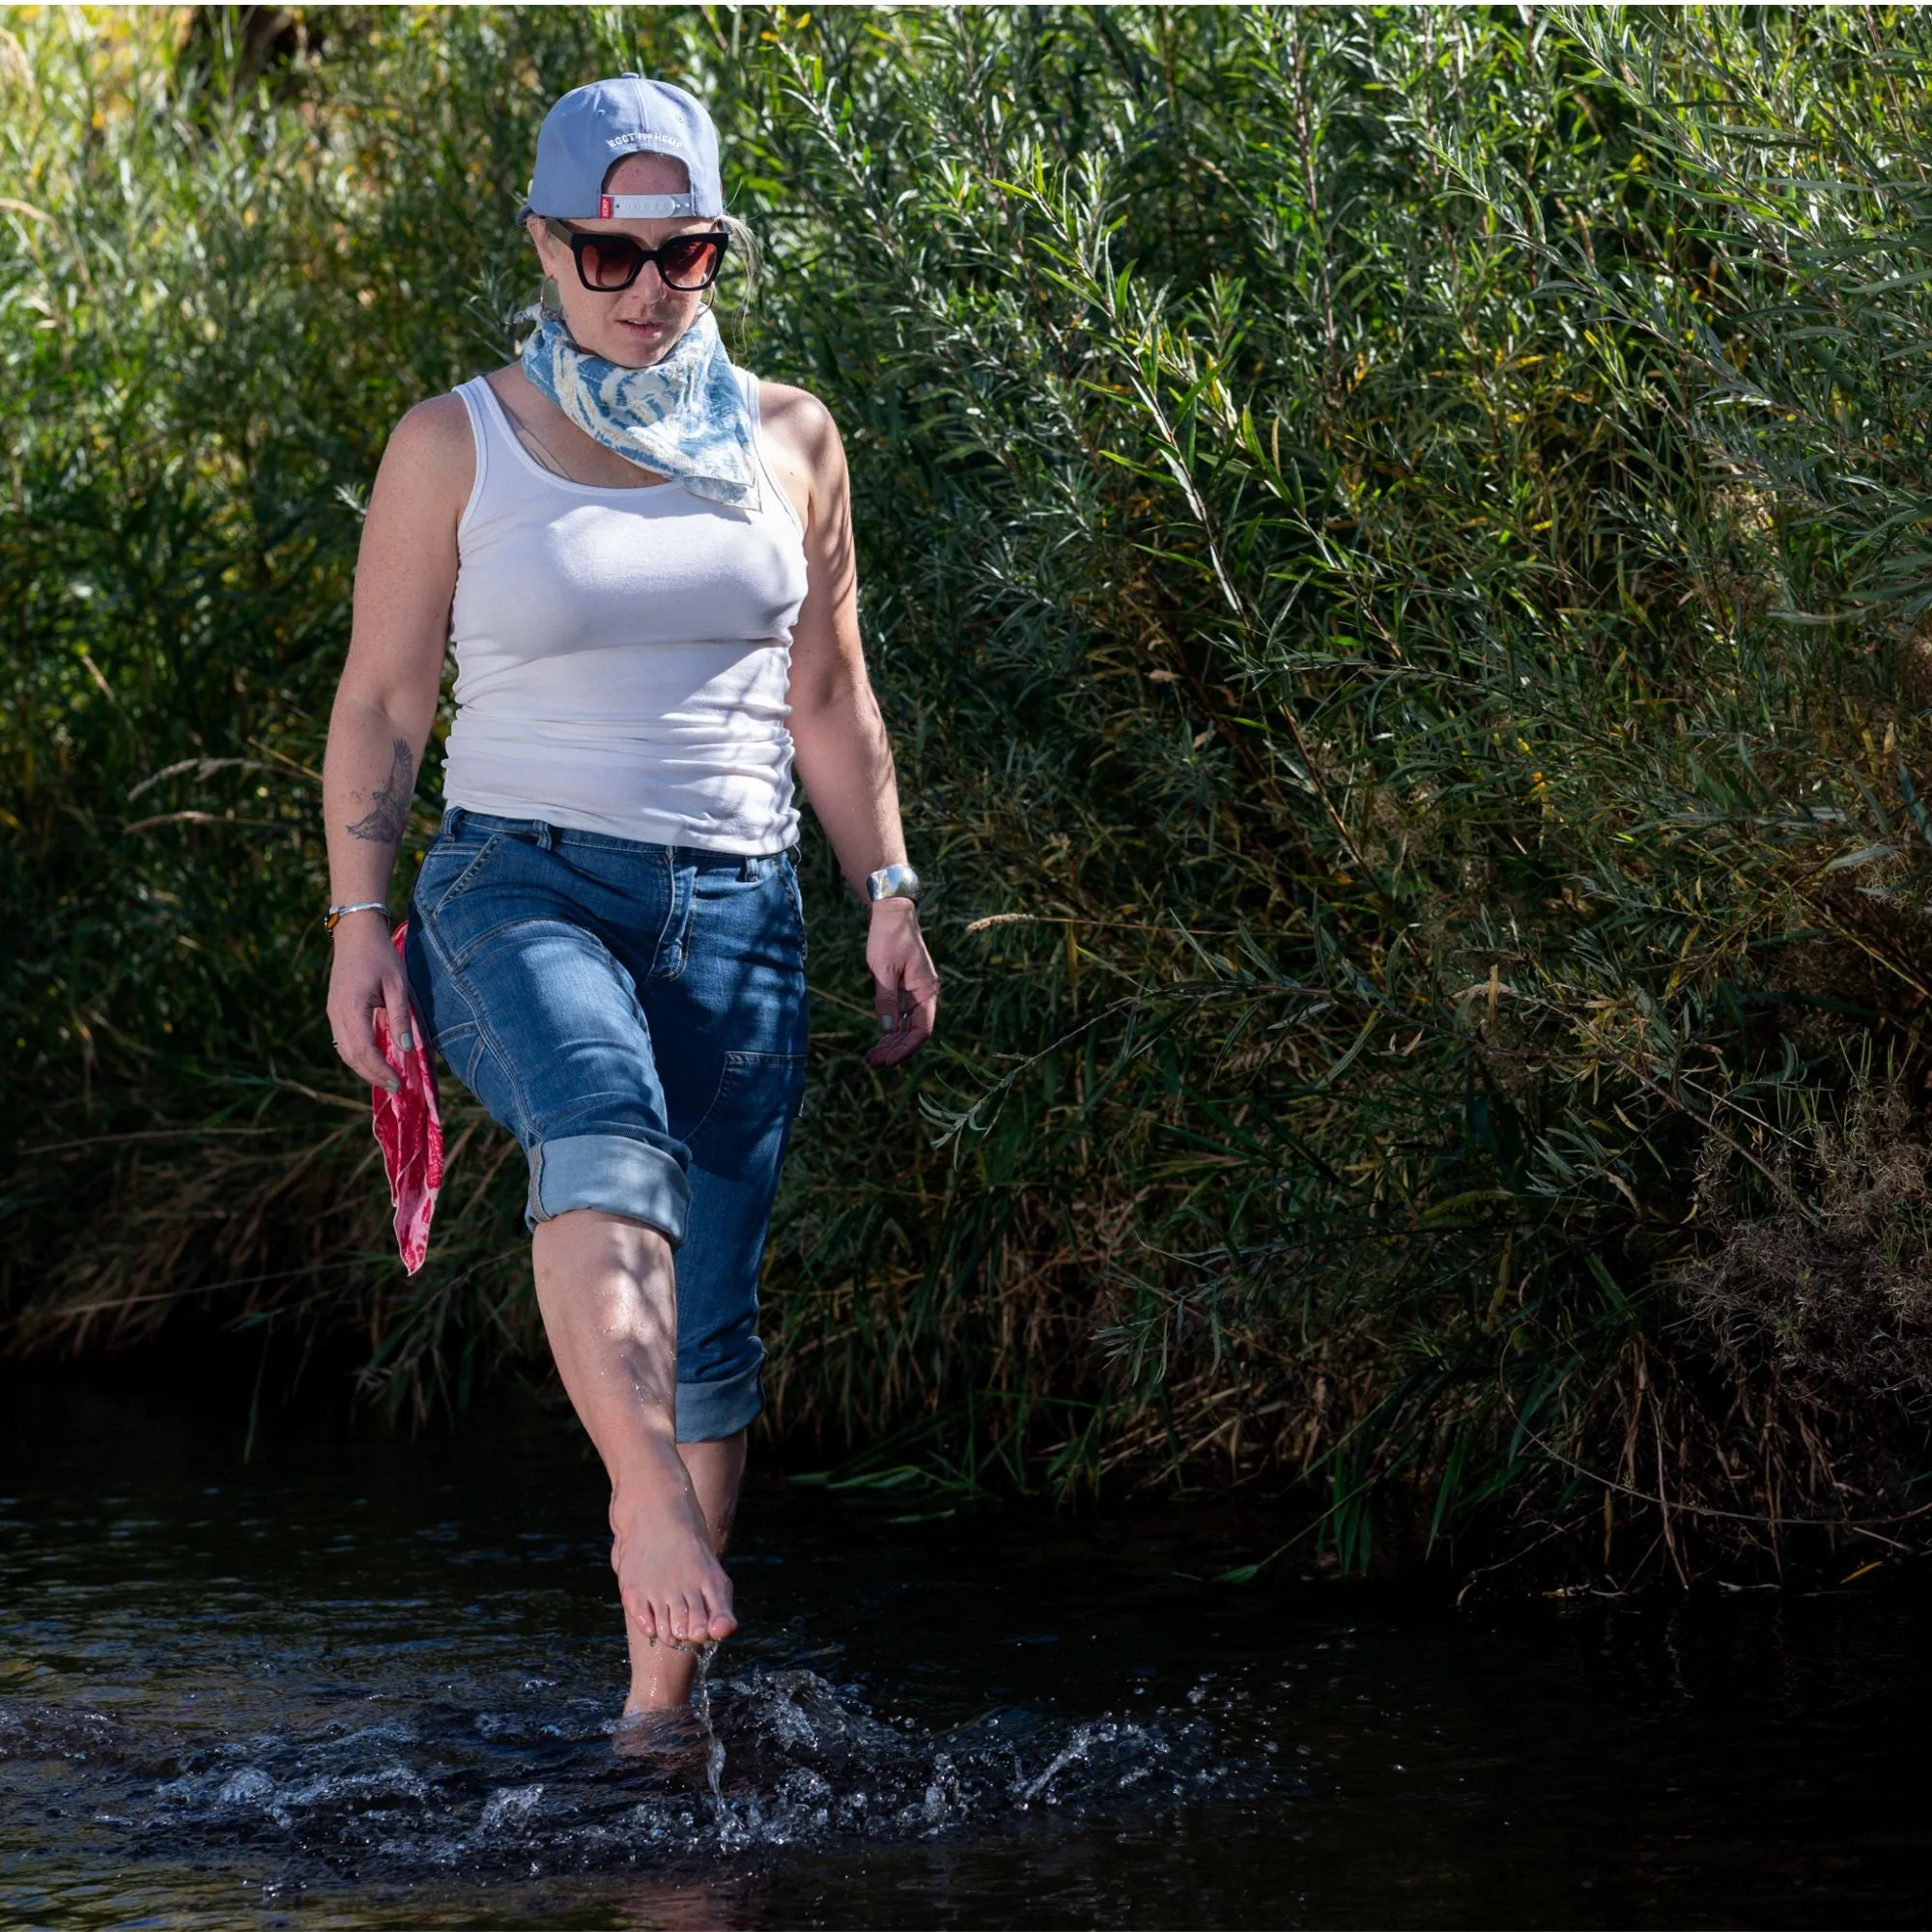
[643, 557]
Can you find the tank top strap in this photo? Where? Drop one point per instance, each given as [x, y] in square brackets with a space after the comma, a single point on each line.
[783, 506]
[485, 426]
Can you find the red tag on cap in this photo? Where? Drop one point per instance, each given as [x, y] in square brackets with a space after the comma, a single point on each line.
[604, 207]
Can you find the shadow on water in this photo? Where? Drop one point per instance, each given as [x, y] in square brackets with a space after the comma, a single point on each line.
[361, 1682]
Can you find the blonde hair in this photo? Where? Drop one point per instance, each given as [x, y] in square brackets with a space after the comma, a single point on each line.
[745, 244]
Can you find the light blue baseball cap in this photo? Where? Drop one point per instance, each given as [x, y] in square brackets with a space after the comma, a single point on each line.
[593, 126]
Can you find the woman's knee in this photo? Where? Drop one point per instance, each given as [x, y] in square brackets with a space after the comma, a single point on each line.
[598, 1240]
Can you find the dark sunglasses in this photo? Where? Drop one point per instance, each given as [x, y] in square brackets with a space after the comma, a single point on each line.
[608, 263]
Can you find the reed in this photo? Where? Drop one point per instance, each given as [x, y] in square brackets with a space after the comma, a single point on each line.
[1391, 555]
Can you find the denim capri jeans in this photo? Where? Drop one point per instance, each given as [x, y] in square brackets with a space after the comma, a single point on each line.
[636, 1015]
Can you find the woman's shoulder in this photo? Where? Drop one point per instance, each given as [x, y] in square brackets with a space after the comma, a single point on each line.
[800, 426]
[786, 407]
[434, 432]
[433, 447]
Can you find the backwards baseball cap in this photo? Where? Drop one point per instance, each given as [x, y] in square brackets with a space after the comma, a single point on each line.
[593, 126]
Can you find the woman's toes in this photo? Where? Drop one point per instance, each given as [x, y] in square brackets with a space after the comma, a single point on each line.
[715, 1621]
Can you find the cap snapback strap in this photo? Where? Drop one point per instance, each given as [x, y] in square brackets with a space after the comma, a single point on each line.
[644, 207]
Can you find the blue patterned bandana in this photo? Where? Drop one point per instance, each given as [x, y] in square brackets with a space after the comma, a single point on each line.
[684, 417]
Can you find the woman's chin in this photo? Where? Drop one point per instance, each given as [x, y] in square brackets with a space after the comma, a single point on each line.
[638, 348]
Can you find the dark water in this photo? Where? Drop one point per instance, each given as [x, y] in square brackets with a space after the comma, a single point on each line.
[360, 1682]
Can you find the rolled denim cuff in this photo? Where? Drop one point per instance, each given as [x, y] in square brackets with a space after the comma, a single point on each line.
[613, 1172]
[707, 1411]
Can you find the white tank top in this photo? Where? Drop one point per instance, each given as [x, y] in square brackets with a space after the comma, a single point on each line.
[622, 656]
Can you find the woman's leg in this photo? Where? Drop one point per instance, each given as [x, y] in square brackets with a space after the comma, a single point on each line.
[529, 948]
[607, 1291]
[725, 1011]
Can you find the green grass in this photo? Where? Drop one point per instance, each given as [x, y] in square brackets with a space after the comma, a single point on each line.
[1393, 557]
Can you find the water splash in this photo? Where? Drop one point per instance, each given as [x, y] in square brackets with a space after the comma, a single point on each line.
[1073, 1751]
[445, 1788]
[714, 1753]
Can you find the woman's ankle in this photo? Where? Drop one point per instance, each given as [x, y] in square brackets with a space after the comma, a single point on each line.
[651, 1476]
[662, 1676]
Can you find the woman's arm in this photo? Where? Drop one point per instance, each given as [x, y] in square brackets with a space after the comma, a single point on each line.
[385, 704]
[841, 750]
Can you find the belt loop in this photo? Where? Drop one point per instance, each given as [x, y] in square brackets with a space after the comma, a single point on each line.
[545, 835]
[750, 869]
[453, 824]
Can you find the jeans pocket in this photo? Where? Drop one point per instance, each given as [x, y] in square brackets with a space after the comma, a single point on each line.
[448, 870]
[460, 1047]
[758, 1095]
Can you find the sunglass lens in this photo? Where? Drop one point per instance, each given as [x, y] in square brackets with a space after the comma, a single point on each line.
[608, 260]
[690, 261]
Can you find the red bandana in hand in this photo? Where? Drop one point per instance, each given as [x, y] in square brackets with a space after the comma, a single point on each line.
[409, 1129]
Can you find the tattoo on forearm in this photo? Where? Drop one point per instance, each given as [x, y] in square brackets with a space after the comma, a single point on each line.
[389, 804]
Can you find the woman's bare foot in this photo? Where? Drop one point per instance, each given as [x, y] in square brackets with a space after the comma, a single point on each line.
[661, 1673]
[674, 1591]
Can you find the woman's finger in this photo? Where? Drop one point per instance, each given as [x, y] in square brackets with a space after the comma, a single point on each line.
[354, 1034]
[920, 1022]
[906, 1022]
[370, 1060]
[365, 1058]
[394, 1003]
[914, 1029]
[401, 1032]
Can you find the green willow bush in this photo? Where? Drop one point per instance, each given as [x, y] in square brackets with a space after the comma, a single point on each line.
[1393, 555]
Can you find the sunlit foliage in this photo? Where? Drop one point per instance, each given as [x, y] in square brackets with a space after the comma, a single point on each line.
[1393, 552]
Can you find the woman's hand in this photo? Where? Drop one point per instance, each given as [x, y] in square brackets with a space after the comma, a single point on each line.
[905, 982]
[367, 974]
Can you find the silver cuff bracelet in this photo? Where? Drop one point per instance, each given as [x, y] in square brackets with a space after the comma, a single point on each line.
[893, 882]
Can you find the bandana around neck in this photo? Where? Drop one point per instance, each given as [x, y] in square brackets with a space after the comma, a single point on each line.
[684, 417]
